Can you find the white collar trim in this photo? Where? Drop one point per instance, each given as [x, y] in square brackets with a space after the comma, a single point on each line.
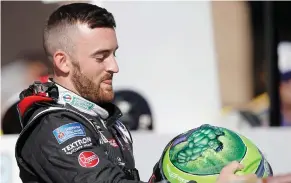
[68, 97]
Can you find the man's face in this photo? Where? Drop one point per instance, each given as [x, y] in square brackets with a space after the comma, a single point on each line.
[95, 63]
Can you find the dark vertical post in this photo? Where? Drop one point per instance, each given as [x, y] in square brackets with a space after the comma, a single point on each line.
[271, 44]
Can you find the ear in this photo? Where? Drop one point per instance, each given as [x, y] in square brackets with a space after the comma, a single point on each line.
[62, 61]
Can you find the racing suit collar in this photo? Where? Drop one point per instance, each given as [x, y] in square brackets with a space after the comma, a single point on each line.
[68, 97]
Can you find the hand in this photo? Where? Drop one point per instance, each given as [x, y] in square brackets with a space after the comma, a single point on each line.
[280, 179]
[227, 174]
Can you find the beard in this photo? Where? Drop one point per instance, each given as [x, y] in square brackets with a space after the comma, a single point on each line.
[90, 90]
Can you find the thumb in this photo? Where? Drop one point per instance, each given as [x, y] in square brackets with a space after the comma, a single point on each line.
[232, 168]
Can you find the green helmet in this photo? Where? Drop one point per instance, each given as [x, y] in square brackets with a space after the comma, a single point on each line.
[199, 155]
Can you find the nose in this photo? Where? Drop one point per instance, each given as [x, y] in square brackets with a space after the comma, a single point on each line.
[112, 65]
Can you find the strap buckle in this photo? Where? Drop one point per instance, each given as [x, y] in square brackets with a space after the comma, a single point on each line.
[48, 89]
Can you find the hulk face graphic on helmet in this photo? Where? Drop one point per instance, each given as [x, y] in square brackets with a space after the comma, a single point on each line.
[198, 142]
[198, 151]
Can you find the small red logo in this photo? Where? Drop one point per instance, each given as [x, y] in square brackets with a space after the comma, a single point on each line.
[88, 159]
[61, 135]
[113, 143]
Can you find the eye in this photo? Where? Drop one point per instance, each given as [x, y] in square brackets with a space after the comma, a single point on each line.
[99, 59]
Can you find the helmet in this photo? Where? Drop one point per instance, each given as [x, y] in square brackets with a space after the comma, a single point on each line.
[200, 154]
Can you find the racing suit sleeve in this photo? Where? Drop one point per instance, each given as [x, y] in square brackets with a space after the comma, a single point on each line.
[68, 152]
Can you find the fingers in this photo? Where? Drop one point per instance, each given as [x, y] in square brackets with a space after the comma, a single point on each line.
[280, 179]
[250, 178]
[232, 168]
[227, 173]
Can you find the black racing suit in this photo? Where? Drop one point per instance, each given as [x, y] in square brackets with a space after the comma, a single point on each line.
[65, 139]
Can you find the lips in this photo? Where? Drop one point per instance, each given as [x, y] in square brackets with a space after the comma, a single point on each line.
[108, 81]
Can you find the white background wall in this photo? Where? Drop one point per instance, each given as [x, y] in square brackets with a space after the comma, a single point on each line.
[167, 55]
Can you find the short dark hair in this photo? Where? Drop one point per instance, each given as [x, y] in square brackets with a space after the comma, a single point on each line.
[67, 16]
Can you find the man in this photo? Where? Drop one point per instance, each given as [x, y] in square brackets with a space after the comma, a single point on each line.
[71, 130]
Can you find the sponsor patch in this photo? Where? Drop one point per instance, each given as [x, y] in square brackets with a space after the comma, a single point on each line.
[67, 97]
[77, 145]
[77, 102]
[67, 131]
[113, 143]
[88, 159]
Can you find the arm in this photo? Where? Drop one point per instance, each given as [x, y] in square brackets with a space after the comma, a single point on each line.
[74, 156]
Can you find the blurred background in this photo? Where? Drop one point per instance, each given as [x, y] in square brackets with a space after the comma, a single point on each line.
[182, 64]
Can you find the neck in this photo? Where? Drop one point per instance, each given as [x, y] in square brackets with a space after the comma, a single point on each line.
[66, 83]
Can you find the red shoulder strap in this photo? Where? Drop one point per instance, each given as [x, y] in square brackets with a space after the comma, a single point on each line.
[38, 92]
[27, 102]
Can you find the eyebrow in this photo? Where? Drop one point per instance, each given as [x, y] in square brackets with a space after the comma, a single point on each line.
[102, 51]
